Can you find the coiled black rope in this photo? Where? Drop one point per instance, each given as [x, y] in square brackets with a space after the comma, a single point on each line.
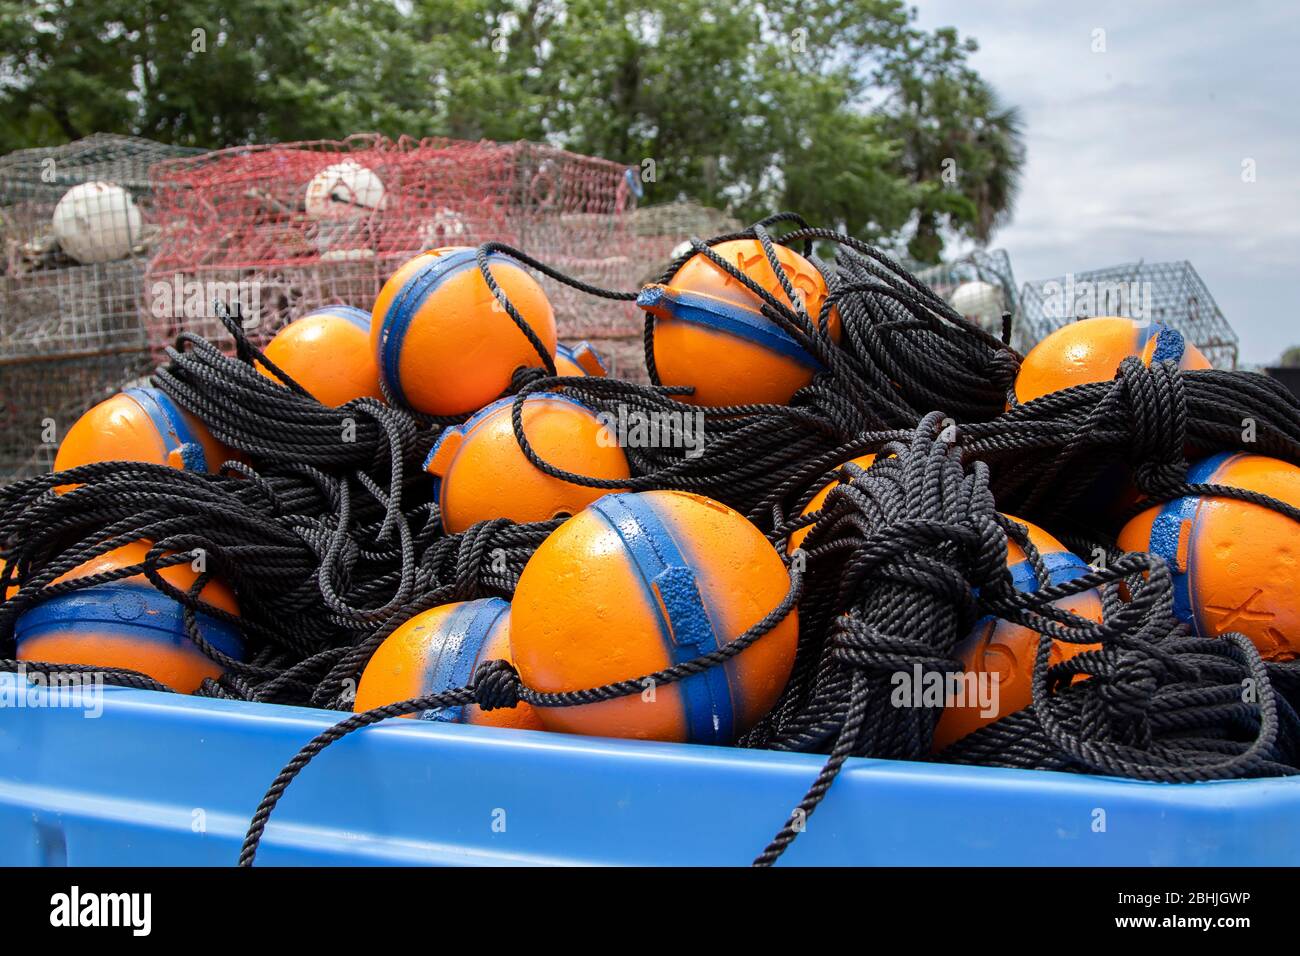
[745, 452]
[497, 684]
[918, 553]
[905, 350]
[323, 524]
[1049, 455]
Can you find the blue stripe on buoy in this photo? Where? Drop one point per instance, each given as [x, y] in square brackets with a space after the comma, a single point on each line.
[171, 425]
[1169, 345]
[437, 479]
[128, 608]
[1166, 532]
[408, 301]
[1062, 566]
[685, 626]
[358, 317]
[713, 313]
[464, 633]
[563, 351]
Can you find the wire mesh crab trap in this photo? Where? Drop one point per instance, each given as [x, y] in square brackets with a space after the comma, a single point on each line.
[981, 286]
[76, 229]
[651, 236]
[570, 211]
[660, 231]
[288, 228]
[282, 230]
[42, 397]
[285, 229]
[1171, 293]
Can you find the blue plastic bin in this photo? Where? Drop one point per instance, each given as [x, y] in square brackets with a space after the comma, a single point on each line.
[159, 779]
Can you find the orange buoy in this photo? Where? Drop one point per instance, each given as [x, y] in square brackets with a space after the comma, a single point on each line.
[636, 583]
[1091, 350]
[481, 472]
[1235, 565]
[443, 343]
[328, 353]
[1000, 654]
[580, 359]
[140, 424]
[129, 624]
[10, 591]
[819, 499]
[710, 331]
[439, 650]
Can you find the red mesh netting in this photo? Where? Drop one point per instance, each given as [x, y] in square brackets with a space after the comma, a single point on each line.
[285, 229]
[288, 228]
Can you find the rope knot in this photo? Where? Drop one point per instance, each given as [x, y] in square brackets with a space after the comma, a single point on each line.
[496, 685]
[1157, 404]
[479, 557]
[1127, 691]
[1002, 367]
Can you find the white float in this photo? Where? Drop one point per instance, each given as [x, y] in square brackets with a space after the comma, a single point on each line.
[97, 222]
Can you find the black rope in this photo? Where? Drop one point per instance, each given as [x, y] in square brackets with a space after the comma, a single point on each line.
[912, 551]
[1049, 455]
[323, 525]
[497, 684]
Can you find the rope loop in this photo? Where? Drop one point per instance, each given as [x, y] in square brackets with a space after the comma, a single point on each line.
[325, 527]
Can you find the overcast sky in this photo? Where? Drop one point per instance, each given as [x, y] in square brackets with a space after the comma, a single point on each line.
[1137, 152]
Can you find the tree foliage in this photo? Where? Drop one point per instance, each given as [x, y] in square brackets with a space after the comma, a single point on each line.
[841, 109]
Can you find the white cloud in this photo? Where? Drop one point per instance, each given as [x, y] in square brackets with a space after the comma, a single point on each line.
[1136, 153]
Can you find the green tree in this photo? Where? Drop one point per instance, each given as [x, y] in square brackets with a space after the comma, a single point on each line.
[960, 146]
[736, 104]
[840, 109]
[62, 74]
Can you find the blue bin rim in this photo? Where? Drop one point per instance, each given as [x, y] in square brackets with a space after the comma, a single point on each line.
[382, 791]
